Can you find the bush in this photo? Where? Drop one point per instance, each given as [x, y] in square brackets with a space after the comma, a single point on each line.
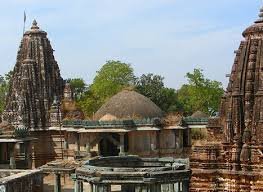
[198, 134]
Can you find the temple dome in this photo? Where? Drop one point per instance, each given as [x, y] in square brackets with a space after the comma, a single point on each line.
[129, 105]
[199, 114]
[256, 28]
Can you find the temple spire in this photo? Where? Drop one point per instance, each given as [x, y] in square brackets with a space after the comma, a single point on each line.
[34, 25]
[260, 14]
[36, 81]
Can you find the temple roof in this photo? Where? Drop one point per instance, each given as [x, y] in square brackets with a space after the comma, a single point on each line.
[257, 27]
[129, 105]
[35, 29]
[35, 81]
[199, 114]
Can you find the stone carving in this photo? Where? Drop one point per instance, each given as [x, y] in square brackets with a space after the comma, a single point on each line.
[243, 99]
[36, 81]
[238, 161]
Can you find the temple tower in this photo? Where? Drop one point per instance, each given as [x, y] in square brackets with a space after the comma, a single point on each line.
[35, 82]
[242, 105]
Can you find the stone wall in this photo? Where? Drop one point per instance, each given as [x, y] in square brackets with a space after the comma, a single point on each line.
[224, 180]
[21, 181]
[46, 148]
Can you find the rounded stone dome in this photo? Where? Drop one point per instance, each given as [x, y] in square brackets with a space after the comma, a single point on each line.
[255, 30]
[129, 105]
[199, 114]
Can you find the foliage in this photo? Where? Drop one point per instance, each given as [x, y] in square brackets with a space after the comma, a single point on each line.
[4, 86]
[78, 86]
[200, 93]
[21, 132]
[89, 103]
[198, 134]
[152, 86]
[110, 79]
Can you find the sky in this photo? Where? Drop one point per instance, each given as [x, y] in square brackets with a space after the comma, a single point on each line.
[164, 37]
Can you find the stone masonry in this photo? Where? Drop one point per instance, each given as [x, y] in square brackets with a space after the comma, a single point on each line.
[36, 81]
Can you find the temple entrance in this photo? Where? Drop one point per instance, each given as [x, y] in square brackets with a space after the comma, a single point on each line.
[109, 144]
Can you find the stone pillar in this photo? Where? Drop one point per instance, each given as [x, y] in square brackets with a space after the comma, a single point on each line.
[88, 145]
[155, 187]
[77, 143]
[101, 188]
[12, 161]
[33, 155]
[57, 185]
[171, 188]
[28, 154]
[65, 144]
[122, 152]
[142, 188]
[186, 186]
[91, 187]
[78, 186]
[165, 188]
[176, 187]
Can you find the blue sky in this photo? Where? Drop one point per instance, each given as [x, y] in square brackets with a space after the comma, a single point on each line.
[165, 37]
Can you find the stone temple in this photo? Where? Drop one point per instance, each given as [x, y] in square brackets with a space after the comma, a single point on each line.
[130, 142]
[36, 82]
[235, 161]
[42, 125]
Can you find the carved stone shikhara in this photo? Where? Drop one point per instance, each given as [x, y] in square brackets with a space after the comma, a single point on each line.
[236, 162]
[242, 106]
[36, 81]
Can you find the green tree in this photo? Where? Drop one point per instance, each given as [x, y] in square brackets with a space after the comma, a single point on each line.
[78, 85]
[152, 86]
[4, 86]
[200, 93]
[110, 79]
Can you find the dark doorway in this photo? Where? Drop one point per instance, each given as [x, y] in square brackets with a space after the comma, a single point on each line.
[127, 188]
[108, 145]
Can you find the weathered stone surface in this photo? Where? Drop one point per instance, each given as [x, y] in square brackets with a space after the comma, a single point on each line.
[236, 163]
[35, 82]
[21, 181]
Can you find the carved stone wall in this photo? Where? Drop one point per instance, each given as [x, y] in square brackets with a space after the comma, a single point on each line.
[35, 82]
[236, 163]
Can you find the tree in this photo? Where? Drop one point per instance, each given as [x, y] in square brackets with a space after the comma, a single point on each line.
[152, 86]
[200, 93]
[78, 86]
[110, 79]
[4, 86]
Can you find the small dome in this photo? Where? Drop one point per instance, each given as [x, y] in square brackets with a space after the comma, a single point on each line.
[129, 105]
[257, 27]
[199, 114]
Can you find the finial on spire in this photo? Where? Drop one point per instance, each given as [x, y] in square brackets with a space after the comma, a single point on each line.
[34, 25]
[260, 16]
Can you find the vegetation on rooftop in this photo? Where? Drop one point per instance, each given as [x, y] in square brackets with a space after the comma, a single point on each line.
[198, 134]
[21, 132]
[4, 86]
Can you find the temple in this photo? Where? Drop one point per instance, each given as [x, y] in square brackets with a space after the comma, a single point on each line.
[234, 161]
[129, 144]
[36, 81]
[129, 127]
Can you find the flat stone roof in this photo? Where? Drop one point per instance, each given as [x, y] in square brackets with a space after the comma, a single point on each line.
[7, 175]
[132, 169]
[16, 140]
